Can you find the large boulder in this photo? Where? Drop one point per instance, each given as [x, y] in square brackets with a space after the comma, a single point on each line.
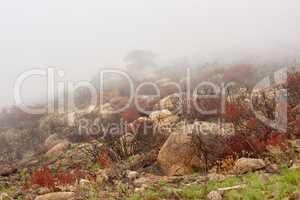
[245, 165]
[177, 156]
[58, 149]
[57, 196]
[180, 153]
[53, 140]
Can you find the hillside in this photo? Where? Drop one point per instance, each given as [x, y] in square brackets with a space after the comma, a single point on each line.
[222, 136]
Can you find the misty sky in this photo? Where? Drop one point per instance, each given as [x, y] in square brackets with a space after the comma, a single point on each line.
[83, 36]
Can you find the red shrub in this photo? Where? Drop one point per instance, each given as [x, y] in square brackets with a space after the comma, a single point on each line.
[104, 159]
[234, 112]
[66, 178]
[254, 144]
[277, 140]
[248, 146]
[239, 144]
[43, 178]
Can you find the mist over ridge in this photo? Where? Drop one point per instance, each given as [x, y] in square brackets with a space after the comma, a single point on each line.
[81, 38]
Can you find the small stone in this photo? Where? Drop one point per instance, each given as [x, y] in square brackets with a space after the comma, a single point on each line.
[295, 196]
[141, 189]
[295, 165]
[7, 170]
[42, 190]
[214, 195]
[84, 183]
[132, 175]
[19, 192]
[139, 182]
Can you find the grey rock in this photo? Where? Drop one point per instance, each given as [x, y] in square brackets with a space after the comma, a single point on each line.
[214, 195]
[57, 196]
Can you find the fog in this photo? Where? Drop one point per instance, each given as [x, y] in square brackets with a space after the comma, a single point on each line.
[82, 36]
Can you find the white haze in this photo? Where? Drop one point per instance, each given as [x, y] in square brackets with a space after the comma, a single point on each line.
[82, 36]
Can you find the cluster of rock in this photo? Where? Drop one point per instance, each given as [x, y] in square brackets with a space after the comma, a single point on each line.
[177, 155]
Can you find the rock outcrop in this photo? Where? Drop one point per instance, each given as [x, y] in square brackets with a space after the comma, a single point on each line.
[53, 140]
[58, 149]
[177, 156]
[245, 165]
[172, 103]
[163, 118]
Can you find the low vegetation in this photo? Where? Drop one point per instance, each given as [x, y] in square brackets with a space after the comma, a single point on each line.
[257, 186]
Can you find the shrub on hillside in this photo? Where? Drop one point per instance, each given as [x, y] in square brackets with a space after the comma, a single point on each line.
[43, 178]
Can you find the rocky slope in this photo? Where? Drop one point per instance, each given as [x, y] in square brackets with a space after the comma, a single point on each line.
[172, 153]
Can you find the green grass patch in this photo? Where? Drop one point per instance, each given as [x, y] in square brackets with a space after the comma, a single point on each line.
[258, 187]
